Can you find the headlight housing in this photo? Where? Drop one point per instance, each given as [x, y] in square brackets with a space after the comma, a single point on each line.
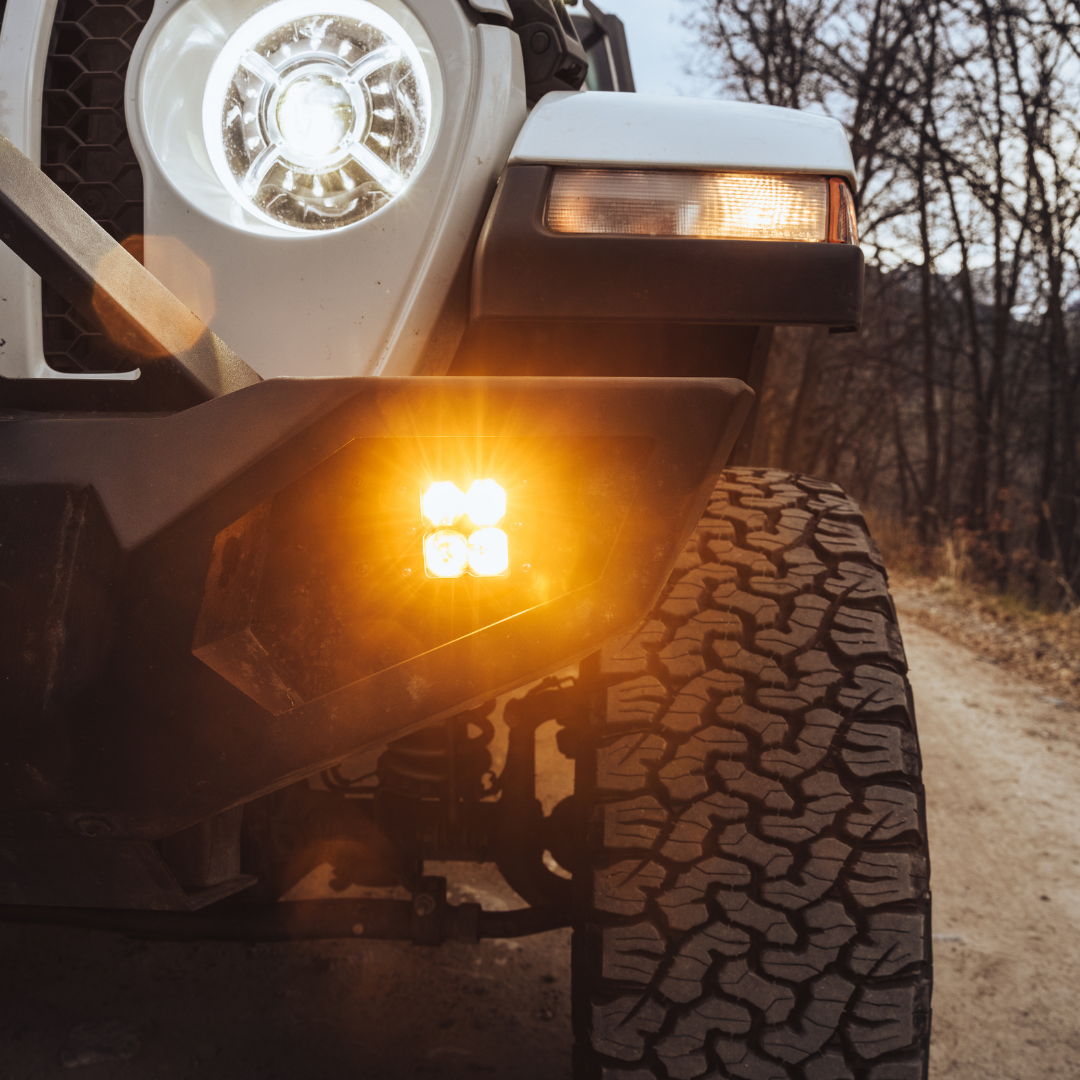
[315, 119]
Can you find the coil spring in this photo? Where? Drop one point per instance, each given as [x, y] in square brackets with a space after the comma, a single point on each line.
[419, 765]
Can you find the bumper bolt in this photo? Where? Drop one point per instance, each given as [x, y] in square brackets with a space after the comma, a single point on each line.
[92, 826]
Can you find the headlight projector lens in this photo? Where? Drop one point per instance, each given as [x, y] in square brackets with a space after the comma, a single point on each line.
[316, 117]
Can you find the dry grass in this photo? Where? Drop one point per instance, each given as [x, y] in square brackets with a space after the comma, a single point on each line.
[939, 588]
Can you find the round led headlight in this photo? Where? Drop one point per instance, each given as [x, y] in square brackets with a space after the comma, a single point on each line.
[317, 116]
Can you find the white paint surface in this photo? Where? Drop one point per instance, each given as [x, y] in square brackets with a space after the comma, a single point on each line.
[636, 130]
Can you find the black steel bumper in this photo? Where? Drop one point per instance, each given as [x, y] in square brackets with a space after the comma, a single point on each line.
[188, 621]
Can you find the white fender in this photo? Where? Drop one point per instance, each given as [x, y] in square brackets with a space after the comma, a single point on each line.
[610, 130]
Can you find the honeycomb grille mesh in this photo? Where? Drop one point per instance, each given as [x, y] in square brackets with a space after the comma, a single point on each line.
[85, 149]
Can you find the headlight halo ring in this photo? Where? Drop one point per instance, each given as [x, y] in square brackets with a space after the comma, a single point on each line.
[355, 49]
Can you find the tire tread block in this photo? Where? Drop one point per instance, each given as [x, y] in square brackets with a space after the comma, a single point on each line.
[624, 763]
[624, 889]
[636, 703]
[760, 873]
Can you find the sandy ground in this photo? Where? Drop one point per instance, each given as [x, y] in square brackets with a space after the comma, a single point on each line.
[1002, 765]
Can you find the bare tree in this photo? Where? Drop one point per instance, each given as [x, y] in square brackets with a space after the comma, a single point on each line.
[964, 121]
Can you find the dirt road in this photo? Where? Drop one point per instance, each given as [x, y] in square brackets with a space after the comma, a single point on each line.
[1002, 770]
[1002, 766]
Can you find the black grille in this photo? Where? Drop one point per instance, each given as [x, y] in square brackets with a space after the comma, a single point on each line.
[85, 149]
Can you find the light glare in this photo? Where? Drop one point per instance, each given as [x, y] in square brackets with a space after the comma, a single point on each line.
[485, 503]
[443, 503]
[314, 115]
[489, 553]
[446, 553]
[317, 119]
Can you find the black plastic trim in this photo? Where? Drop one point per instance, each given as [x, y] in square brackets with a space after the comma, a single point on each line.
[523, 270]
[85, 149]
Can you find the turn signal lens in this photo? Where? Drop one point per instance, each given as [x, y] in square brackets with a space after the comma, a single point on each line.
[708, 205]
[443, 503]
[485, 503]
[843, 228]
[446, 553]
[489, 553]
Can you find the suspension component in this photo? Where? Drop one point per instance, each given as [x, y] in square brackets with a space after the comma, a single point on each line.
[427, 919]
[442, 761]
[431, 783]
[523, 833]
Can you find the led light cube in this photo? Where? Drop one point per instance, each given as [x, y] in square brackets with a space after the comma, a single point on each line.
[489, 553]
[446, 553]
[485, 503]
[443, 503]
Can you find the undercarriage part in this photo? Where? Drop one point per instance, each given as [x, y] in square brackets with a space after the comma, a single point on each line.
[442, 761]
[435, 798]
[430, 786]
[425, 920]
[207, 853]
[292, 832]
[523, 833]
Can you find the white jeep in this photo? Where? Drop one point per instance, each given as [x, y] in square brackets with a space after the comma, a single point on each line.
[494, 328]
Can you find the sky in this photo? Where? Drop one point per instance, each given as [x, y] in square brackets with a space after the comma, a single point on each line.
[660, 47]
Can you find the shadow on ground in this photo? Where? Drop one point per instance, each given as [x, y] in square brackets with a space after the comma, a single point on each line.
[92, 1004]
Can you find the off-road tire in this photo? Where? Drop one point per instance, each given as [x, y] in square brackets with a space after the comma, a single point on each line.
[753, 901]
